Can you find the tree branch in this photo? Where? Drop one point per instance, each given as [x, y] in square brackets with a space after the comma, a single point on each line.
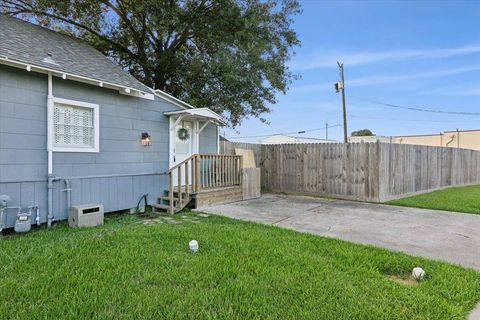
[26, 8]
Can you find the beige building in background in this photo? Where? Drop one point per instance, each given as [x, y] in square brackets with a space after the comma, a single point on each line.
[465, 139]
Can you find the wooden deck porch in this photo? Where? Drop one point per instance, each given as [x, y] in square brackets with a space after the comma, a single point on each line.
[200, 180]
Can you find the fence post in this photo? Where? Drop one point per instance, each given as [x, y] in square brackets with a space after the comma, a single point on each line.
[240, 166]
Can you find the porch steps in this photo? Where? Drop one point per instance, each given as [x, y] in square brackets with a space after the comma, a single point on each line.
[164, 207]
[167, 198]
[163, 202]
[199, 199]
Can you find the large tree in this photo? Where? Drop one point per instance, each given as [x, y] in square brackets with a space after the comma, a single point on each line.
[228, 55]
[362, 133]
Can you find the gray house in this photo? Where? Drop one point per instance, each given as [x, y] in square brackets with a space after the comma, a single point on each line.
[75, 128]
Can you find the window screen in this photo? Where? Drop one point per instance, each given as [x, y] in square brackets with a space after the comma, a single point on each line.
[73, 126]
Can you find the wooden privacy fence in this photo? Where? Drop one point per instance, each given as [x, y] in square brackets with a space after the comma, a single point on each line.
[362, 171]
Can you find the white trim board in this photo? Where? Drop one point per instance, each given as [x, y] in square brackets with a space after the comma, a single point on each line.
[65, 75]
[173, 100]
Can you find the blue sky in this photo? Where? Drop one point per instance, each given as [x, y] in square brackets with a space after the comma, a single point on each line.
[417, 54]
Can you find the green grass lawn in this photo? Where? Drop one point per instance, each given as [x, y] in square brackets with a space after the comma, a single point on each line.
[127, 270]
[460, 199]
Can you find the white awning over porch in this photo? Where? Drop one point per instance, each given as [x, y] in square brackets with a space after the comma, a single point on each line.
[194, 121]
[198, 114]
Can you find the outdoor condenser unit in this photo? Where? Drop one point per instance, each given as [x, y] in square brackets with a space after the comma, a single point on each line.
[85, 215]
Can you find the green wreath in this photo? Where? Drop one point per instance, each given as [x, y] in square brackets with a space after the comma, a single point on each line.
[183, 134]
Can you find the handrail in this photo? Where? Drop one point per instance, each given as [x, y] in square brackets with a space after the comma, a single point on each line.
[202, 171]
[179, 164]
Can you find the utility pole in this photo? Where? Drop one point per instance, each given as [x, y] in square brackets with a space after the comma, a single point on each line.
[340, 85]
[326, 130]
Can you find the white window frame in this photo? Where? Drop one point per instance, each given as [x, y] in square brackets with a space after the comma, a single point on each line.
[96, 126]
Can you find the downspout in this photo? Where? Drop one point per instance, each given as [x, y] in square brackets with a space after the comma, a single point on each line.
[50, 177]
[68, 190]
[452, 137]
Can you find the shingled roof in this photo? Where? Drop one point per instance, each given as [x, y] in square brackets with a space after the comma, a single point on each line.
[28, 43]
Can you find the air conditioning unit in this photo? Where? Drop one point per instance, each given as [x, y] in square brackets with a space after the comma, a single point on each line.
[86, 215]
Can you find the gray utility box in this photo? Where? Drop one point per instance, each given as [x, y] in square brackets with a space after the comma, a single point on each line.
[85, 215]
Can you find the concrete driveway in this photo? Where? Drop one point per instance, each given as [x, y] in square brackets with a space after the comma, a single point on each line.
[441, 235]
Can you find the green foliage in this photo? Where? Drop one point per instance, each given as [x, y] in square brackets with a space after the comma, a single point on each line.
[362, 133]
[126, 270]
[228, 55]
[460, 199]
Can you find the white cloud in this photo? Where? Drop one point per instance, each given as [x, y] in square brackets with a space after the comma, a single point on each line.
[382, 79]
[325, 60]
[333, 105]
[312, 88]
[455, 91]
[372, 80]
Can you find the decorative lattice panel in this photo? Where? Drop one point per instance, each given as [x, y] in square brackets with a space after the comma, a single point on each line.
[73, 126]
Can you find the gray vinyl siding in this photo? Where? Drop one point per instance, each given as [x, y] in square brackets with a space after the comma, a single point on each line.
[208, 139]
[132, 169]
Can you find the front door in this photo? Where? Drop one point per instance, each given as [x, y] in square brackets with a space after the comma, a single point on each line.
[183, 146]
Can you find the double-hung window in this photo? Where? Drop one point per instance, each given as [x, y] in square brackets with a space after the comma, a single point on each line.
[75, 126]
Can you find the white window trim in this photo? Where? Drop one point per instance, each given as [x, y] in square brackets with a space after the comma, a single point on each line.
[96, 126]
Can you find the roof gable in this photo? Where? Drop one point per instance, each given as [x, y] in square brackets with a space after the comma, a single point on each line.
[28, 43]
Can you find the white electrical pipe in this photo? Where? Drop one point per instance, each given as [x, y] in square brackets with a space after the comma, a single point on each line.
[50, 124]
[50, 152]
[2, 224]
[37, 215]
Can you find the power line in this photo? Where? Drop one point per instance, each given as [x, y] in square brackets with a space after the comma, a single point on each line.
[292, 132]
[411, 120]
[417, 109]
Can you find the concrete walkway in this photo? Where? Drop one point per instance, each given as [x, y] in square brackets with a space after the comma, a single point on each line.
[440, 235]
